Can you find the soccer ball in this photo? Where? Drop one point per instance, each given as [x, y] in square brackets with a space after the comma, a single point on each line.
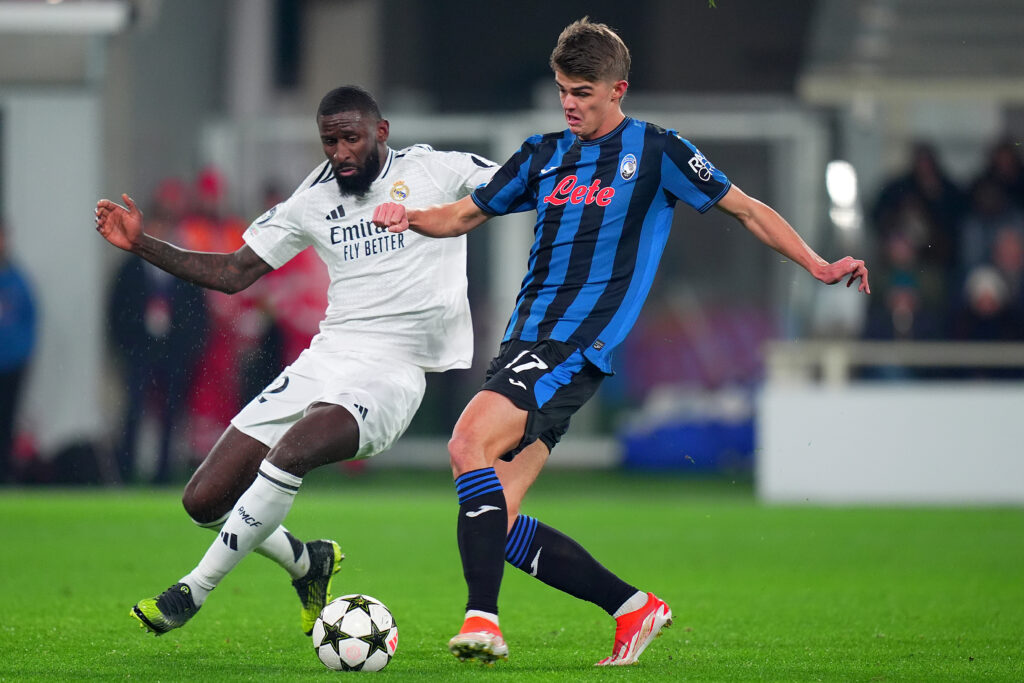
[355, 633]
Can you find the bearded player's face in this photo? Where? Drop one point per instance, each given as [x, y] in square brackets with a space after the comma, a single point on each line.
[351, 141]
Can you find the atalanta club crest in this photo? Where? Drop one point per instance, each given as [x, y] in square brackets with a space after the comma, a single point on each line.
[627, 167]
[400, 191]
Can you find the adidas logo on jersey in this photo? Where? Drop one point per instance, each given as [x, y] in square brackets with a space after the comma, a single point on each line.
[337, 213]
[362, 411]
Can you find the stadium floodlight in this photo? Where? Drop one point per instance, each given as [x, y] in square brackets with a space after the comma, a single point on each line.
[841, 183]
[90, 17]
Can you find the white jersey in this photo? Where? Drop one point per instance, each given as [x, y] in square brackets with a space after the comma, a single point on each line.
[393, 295]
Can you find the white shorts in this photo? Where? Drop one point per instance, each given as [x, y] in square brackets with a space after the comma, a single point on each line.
[381, 393]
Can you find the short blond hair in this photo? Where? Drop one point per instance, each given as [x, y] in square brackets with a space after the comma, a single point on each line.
[591, 51]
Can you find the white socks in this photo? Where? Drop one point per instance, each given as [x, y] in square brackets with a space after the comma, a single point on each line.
[257, 516]
[280, 547]
[638, 600]
[493, 618]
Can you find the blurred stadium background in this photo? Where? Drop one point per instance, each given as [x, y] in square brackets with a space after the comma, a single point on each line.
[846, 115]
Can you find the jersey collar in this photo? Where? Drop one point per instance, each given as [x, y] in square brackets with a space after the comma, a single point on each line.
[615, 131]
[386, 166]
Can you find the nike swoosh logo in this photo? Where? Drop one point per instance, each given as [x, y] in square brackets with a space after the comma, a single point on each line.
[536, 559]
[521, 385]
[549, 169]
[481, 510]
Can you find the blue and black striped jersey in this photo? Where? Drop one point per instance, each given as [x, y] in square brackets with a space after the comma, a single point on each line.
[604, 209]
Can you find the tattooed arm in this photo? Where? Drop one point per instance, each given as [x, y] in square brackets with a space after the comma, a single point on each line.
[228, 273]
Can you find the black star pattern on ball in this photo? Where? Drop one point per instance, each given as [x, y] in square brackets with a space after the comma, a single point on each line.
[359, 602]
[346, 667]
[376, 639]
[333, 635]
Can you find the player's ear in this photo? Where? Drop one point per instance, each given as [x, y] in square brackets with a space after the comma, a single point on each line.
[383, 130]
[619, 89]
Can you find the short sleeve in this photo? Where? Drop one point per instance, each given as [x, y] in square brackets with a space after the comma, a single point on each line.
[277, 236]
[509, 190]
[463, 171]
[687, 174]
[320, 174]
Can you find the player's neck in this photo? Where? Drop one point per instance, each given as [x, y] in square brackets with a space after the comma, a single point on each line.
[610, 123]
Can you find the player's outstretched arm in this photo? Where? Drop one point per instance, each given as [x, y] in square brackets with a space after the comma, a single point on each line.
[123, 227]
[444, 220]
[772, 229]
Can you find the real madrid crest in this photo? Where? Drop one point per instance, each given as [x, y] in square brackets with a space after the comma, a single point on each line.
[400, 191]
[627, 167]
[267, 216]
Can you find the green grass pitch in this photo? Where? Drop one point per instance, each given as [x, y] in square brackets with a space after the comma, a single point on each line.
[788, 593]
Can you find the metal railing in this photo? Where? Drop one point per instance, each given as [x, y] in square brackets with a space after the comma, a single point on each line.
[832, 362]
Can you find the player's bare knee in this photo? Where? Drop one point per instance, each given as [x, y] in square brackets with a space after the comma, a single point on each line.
[290, 460]
[200, 506]
[465, 453]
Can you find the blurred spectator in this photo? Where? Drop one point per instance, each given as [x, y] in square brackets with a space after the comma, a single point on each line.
[171, 200]
[1008, 257]
[1006, 169]
[217, 394]
[991, 214]
[17, 341]
[987, 313]
[915, 221]
[263, 356]
[925, 205]
[908, 302]
[295, 295]
[899, 315]
[897, 312]
[158, 324]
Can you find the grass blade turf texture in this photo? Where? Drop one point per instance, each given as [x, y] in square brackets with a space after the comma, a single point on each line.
[791, 593]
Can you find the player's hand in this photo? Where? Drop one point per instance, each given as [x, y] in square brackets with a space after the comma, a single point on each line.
[120, 226]
[391, 216]
[834, 272]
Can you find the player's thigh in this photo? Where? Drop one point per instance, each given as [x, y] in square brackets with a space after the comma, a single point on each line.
[548, 380]
[337, 406]
[489, 426]
[326, 433]
[223, 476]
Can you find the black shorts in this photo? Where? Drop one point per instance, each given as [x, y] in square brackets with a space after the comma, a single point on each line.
[548, 379]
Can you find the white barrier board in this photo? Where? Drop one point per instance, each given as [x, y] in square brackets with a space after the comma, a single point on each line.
[909, 443]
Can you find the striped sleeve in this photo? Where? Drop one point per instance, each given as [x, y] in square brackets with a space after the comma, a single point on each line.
[688, 175]
[509, 191]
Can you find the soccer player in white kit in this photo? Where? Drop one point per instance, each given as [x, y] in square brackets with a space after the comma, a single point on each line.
[397, 308]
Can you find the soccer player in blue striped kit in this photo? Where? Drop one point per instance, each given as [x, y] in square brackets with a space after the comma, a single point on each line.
[604, 191]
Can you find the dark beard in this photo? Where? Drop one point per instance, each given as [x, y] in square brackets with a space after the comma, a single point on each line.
[359, 184]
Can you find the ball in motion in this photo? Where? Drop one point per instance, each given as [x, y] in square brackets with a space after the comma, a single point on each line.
[355, 633]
